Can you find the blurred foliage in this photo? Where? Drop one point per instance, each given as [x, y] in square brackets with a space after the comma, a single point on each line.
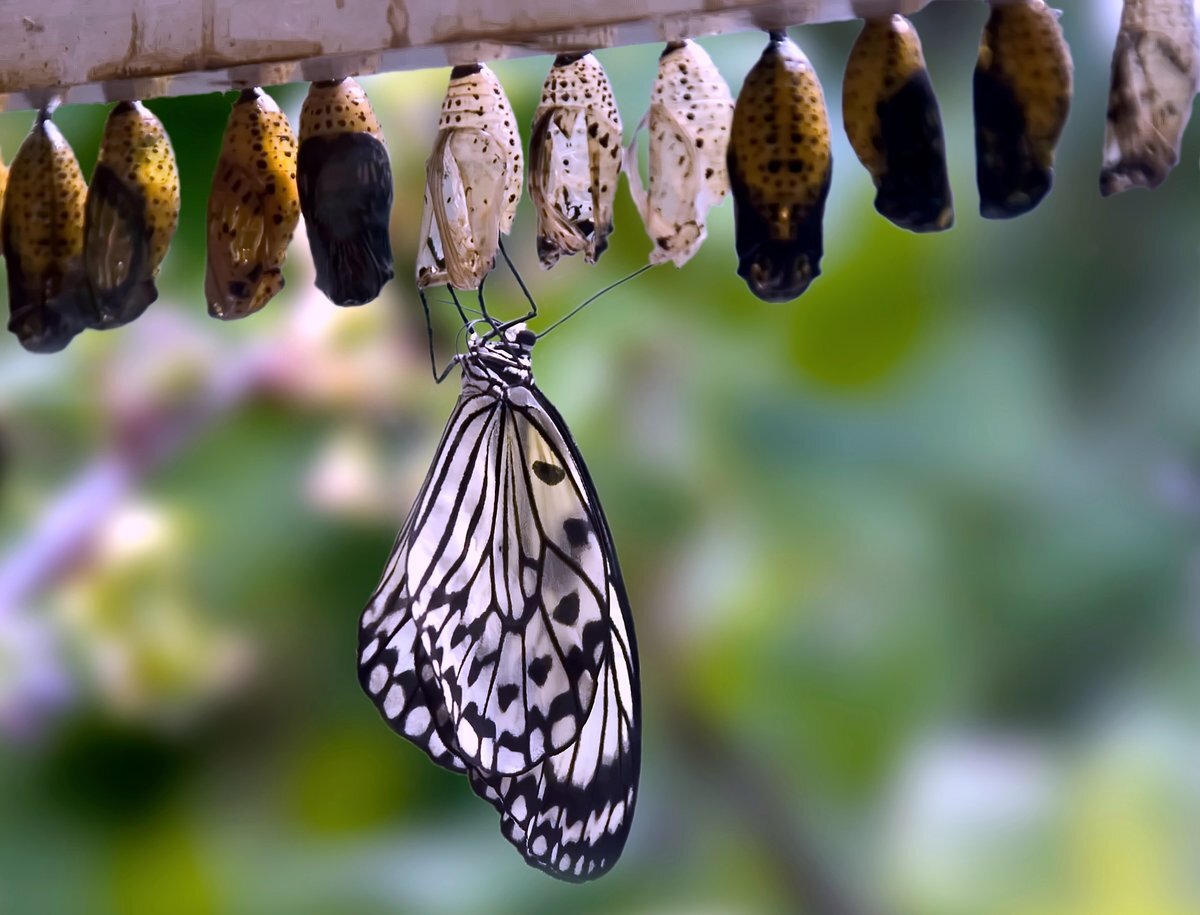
[916, 553]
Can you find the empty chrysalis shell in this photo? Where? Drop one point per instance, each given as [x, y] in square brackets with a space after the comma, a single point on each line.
[345, 183]
[1023, 84]
[574, 159]
[472, 181]
[780, 165]
[691, 110]
[131, 215]
[894, 124]
[1155, 71]
[253, 208]
[43, 240]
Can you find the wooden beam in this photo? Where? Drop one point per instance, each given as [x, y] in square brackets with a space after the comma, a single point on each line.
[106, 50]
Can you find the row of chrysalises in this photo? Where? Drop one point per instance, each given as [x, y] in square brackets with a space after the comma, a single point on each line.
[87, 257]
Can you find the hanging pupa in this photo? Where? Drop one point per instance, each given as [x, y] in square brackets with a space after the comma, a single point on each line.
[895, 127]
[43, 240]
[131, 214]
[780, 165]
[691, 110]
[1023, 85]
[472, 181]
[345, 183]
[574, 159]
[1155, 73]
[253, 208]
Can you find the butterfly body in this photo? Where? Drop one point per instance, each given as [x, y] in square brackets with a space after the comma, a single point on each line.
[500, 639]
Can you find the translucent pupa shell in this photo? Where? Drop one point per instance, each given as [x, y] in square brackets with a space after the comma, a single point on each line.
[1155, 72]
[1023, 86]
[895, 127]
[253, 208]
[472, 181]
[574, 160]
[43, 240]
[691, 111]
[345, 181]
[780, 166]
[131, 215]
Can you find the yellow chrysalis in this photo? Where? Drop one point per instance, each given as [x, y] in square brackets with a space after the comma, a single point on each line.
[253, 208]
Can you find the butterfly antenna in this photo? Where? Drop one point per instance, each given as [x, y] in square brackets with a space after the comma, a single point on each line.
[590, 299]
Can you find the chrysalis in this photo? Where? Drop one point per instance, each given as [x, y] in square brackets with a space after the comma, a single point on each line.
[472, 181]
[893, 123]
[345, 192]
[131, 214]
[780, 164]
[1022, 97]
[1155, 70]
[253, 208]
[43, 240]
[574, 159]
[690, 114]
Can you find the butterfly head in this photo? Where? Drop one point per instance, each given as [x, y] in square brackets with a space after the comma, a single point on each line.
[499, 359]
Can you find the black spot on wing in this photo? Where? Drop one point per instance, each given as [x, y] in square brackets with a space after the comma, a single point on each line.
[576, 530]
[506, 695]
[567, 611]
[539, 669]
[549, 474]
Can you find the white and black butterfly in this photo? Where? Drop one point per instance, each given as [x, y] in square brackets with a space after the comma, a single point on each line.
[500, 639]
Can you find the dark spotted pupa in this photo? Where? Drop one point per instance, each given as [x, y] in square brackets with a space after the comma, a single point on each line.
[131, 215]
[43, 240]
[345, 182]
[895, 127]
[780, 166]
[1023, 85]
[253, 208]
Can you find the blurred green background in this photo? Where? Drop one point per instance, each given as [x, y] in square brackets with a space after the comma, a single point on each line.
[913, 560]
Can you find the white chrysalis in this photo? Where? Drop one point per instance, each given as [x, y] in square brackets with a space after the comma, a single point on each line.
[574, 159]
[472, 181]
[691, 110]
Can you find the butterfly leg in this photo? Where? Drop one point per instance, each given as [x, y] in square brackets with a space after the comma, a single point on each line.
[438, 377]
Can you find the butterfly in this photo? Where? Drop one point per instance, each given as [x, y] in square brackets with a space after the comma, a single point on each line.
[345, 181]
[780, 168]
[1155, 73]
[253, 208]
[574, 159]
[893, 123]
[690, 113]
[131, 215]
[43, 240]
[1022, 89]
[472, 181]
[499, 639]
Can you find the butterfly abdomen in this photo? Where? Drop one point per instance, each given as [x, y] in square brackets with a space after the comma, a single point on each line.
[894, 124]
[345, 181]
[253, 208]
[1022, 88]
[43, 240]
[574, 159]
[780, 165]
[131, 215]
